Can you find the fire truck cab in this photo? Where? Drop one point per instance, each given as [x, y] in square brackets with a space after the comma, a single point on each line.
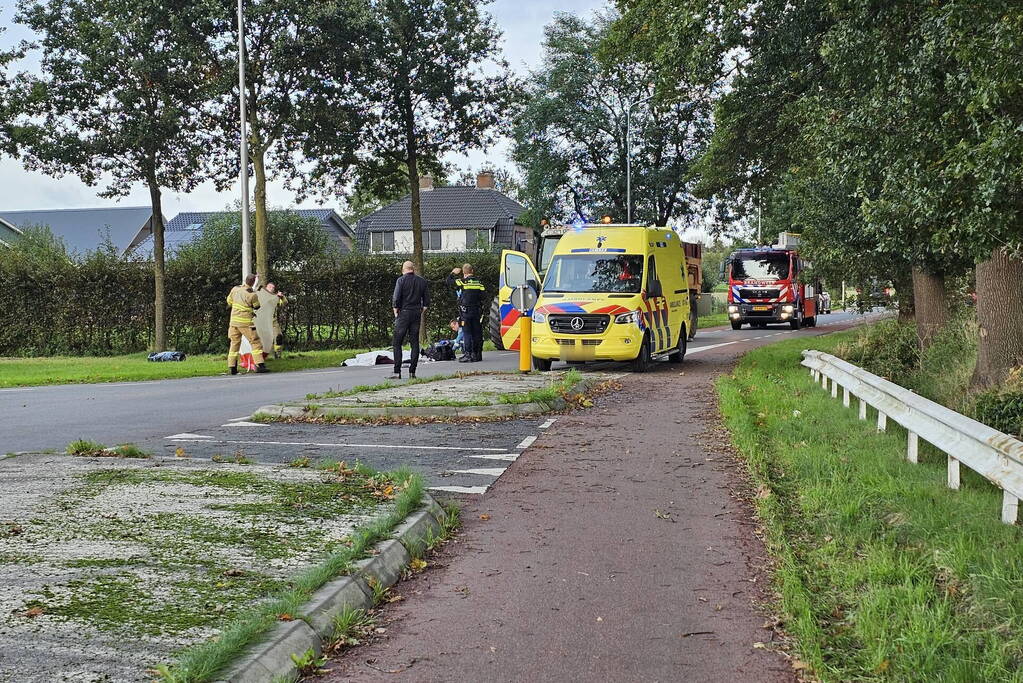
[766, 286]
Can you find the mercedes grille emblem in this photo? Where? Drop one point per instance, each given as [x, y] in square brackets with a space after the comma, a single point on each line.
[577, 323]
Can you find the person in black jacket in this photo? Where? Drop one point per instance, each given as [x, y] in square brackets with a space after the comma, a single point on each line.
[411, 298]
[470, 303]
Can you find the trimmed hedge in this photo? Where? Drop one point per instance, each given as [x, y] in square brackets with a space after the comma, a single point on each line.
[55, 303]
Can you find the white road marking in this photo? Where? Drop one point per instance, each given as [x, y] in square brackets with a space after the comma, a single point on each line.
[712, 346]
[512, 457]
[488, 471]
[527, 442]
[461, 489]
[244, 423]
[243, 417]
[196, 437]
[548, 423]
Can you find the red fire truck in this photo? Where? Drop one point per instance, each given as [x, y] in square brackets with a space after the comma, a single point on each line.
[766, 286]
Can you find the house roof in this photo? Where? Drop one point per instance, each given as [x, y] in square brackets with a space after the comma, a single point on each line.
[187, 227]
[85, 229]
[450, 207]
[8, 233]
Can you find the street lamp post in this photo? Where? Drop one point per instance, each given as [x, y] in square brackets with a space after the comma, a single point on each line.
[243, 173]
[628, 155]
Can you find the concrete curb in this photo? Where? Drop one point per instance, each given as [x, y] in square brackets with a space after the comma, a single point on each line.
[497, 410]
[271, 659]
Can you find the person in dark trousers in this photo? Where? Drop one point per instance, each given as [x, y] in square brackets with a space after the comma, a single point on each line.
[411, 298]
[470, 303]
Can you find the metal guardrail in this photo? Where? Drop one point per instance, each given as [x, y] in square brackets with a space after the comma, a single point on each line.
[996, 456]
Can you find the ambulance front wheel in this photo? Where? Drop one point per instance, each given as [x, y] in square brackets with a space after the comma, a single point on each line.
[542, 364]
[643, 358]
[736, 325]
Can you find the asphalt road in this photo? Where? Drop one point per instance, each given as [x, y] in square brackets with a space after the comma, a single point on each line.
[40, 418]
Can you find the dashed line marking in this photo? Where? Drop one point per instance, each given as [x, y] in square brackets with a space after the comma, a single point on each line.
[511, 457]
[209, 439]
[548, 423]
[244, 423]
[527, 442]
[461, 489]
[487, 471]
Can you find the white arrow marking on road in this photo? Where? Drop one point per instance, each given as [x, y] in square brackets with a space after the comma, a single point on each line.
[244, 423]
[461, 489]
[527, 442]
[488, 471]
[196, 437]
[512, 457]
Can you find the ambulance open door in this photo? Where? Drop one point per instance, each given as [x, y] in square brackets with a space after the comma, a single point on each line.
[516, 269]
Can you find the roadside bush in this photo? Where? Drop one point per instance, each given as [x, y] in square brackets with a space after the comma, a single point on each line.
[887, 349]
[59, 303]
[1001, 410]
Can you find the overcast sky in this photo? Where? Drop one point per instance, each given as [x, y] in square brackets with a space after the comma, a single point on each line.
[522, 22]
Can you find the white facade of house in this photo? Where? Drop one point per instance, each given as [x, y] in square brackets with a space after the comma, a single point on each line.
[451, 241]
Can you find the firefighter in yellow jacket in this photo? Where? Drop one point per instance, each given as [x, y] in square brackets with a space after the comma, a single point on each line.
[244, 302]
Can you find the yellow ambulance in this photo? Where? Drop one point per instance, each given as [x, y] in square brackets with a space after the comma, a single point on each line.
[610, 293]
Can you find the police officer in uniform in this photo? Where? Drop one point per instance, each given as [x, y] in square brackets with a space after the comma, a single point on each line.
[244, 302]
[411, 297]
[470, 303]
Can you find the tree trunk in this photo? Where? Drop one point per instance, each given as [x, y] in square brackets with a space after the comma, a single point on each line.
[999, 312]
[904, 292]
[159, 267]
[412, 162]
[930, 302]
[261, 232]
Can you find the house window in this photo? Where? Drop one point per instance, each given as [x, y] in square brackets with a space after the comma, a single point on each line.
[432, 240]
[477, 240]
[381, 241]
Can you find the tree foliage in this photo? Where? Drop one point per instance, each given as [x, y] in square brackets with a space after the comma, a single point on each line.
[570, 135]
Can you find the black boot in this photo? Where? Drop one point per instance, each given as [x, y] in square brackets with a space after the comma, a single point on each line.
[261, 368]
[412, 374]
[234, 369]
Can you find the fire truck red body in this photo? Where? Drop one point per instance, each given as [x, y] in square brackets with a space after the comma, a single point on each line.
[765, 286]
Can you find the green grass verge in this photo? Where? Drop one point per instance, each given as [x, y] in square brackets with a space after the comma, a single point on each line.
[203, 662]
[24, 372]
[712, 320]
[883, 572]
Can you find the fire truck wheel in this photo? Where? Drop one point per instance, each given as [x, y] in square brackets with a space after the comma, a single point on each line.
[810, 322]
[494, 324]
[642, 362]
[736, 326]
[796, 323]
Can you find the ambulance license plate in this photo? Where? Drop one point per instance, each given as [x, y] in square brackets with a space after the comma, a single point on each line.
[761, 308]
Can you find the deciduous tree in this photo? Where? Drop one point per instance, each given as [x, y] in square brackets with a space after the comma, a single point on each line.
[119, 100]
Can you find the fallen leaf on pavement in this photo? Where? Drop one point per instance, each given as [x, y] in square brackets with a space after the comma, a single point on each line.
[484, 517]
[285, 617]
[179, 452]
[759, 646]
[33, 612]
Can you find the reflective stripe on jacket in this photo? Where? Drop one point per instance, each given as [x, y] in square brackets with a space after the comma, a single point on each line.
[243, 302]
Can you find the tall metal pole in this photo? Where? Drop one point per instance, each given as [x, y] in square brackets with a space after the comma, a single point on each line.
[243, 173]
[628, 165]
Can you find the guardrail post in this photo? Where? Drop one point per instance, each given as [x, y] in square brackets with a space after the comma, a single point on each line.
[882, 421]
[953, 473]
[1010, 507]
[845, 397]
[913, 447]
[834, 389]
[863, 409]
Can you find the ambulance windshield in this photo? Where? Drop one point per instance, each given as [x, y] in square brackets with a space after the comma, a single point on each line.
[601, 272]
[766, 266]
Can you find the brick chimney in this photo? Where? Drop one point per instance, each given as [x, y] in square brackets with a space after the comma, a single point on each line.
[426, 182]
[485, 180]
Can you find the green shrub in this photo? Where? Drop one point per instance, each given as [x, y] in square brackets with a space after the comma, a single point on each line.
[888, 349]
[1001, 410]
[97, 304]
